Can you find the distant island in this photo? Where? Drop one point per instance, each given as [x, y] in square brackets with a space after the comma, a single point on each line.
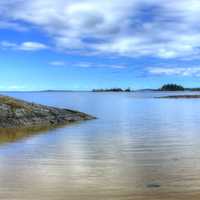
[172, 87]
[112, 90]
[166, 87]
[16, 113]
[175, 87]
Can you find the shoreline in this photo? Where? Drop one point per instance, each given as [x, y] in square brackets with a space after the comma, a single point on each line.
[20, 114]
[179, 97]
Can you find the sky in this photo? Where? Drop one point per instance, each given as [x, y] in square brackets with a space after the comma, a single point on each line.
[86, 44]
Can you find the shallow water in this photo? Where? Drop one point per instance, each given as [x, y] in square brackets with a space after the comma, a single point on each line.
[138, 148]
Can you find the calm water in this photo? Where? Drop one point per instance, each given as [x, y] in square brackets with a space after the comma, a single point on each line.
[138, 148]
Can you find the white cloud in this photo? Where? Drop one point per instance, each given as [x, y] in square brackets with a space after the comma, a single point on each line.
[87, 64]
[118, 66]
[101, 65]
[25, 46]
[178, 71]
[13, 87]
[16, 87]
[57, 63]
[84, 64]
[32, 46]
[12, 26]
[160, 28]
[6, 44]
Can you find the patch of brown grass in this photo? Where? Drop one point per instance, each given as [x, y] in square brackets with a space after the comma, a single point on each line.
[11, 102]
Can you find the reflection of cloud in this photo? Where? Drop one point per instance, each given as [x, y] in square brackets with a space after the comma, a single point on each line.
[119, 158]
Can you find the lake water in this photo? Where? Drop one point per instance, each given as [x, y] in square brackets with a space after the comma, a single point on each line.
[139, 148]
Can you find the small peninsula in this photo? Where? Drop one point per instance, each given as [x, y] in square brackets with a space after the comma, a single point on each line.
[180, 97]
[16, 113]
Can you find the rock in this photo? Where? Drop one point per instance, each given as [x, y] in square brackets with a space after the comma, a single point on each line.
[16, 113]
[180, 97]
[153, 185]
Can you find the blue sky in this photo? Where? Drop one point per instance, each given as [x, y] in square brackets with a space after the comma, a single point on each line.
[85, 44]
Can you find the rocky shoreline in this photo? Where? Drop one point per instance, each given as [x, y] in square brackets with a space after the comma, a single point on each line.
[15, 113]
[180, 97]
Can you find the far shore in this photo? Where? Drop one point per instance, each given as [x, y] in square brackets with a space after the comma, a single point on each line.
[180, 97]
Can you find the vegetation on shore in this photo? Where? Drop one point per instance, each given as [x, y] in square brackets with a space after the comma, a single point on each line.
[172, 87]
[165, 87]
[175, 87]
[112, 90]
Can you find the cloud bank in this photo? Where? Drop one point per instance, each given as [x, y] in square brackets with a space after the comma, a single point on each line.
[157, 28]
[177, 71]
[25, 46]
[86, 65]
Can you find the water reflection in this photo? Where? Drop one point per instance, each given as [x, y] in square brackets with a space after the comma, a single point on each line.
[12, 135]
[139, 148]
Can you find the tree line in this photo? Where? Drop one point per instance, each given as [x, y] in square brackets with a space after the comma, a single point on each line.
[165, 87]
[112, 90]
